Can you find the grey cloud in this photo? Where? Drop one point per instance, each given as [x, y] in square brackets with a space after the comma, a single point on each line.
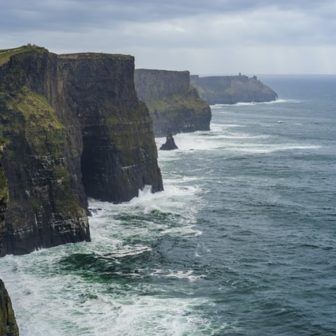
[75, 15]
[228, 35]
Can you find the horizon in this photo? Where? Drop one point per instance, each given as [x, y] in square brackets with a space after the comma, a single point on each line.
[191, 73]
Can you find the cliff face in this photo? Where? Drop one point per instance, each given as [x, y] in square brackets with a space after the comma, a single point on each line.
[232, 89]
[72, 126]
[41, 160]
[8, 326]
[174, 104]
[119, 154]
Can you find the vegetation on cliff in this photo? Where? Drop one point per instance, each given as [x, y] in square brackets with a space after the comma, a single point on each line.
[67, 121]
[6, 54]
[41, 124]
[174, 104]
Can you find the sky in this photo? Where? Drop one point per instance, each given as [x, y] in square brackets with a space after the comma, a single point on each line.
[207, 37]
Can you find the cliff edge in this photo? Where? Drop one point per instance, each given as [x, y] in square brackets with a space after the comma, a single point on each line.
[232, 89]
[173, 103]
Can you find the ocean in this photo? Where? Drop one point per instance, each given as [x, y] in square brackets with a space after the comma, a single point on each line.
[241, 242]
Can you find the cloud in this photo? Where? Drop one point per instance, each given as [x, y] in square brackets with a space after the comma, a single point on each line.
[75, 15]
[232, 35]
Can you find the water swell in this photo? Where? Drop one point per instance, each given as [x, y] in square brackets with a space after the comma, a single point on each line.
[113, 284]
[241, 242]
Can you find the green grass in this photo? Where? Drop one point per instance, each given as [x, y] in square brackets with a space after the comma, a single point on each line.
[6, 54]
[174, 105]
[93, 55]
[43, 130]
[38, 122]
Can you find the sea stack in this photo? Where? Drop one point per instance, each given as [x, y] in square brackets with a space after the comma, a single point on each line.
[8, 326]
[169, 144]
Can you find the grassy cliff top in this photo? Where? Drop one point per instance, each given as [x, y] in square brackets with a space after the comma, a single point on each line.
[159, 71]
[6, 54]
[94, 55]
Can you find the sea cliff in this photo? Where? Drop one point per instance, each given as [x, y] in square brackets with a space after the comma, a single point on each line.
[173, 103]
[8, 326]
[71, 127]
[232, 89]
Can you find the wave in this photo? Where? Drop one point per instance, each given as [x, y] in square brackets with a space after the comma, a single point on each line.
[80, 307]
[173, 197]
[267, 148]
[103, 295]
[278, 101]
[183, 275]
[229, 139]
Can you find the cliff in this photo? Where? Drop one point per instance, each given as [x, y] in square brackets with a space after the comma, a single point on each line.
[173, 103]
[119, 153]
[8, 326]
[232, 89]
[41, 159]
[72, 127]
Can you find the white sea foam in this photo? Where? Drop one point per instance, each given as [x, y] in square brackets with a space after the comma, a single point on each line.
[183, 275]
[175, 199]
[50, 301]
[228, 139]
[62, 305]
[265, 148]
[81, 307]
[278, 101]
[216, 127]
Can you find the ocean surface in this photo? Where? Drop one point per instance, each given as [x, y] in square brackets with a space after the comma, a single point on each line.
[241, 242]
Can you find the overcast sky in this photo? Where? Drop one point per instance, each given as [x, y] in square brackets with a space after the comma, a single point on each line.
[203, 36]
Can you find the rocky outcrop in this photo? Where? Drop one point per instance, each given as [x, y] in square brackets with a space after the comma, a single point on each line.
[8, 326]
[232, 89]
[72, 127]
[173, 103]
[169, 144]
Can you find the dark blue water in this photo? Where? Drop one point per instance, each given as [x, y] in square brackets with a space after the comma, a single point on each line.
[242, 241]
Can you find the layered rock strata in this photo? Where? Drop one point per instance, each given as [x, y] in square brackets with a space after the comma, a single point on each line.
[173, 103]
[232, 89]
[8, 326]
[71, 127]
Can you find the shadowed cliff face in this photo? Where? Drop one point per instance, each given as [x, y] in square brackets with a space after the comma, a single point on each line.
[232, 89]
[8, 326]
[119, 153]
[174, 105]
[66, 120]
